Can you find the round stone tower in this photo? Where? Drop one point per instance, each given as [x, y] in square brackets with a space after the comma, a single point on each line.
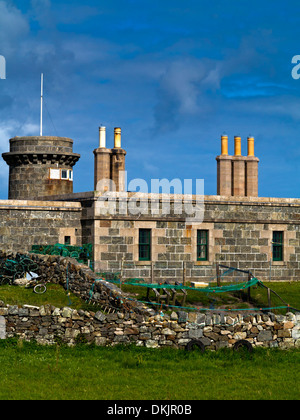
[40, 166]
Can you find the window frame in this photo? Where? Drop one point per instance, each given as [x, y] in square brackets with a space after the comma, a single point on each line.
[64, 177]
[67, 240]
[277, 247]
[201, 244]
[147, 244]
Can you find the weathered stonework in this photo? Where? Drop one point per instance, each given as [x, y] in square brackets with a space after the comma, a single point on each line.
[239, 225]
[26, 223]
[239, 235]
[50, 325]
[30, 160]
[123, 321]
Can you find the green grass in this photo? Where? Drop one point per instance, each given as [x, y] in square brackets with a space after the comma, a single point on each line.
[57, 296]
[30, 371]
[288, 291]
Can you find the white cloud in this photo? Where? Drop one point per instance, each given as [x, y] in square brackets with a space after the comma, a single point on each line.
[14, 27]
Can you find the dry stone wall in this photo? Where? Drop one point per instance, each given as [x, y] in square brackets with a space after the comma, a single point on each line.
[50, 325]
[133, 322]
[76, 278]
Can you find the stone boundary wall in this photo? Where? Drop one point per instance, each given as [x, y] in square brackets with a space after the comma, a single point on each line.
[50, 325]
[78, 279]
[126, 322]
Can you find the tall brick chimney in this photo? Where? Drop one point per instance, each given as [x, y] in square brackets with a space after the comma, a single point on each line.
[118, 161]
[238, 169]
[102, 162]
[251, 170]
[237, 175]
[224, 169]
[109, 163]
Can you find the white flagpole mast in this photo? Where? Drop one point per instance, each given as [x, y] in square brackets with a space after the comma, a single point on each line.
[41, 122]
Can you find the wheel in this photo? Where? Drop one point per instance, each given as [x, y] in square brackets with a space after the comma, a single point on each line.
[243, 344]
[40, 289]
[195, 344]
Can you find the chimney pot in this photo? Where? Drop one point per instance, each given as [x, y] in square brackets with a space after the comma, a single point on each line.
[102, 136]
[237, 146]
[251, 146]
[224, 145]
[117, 132]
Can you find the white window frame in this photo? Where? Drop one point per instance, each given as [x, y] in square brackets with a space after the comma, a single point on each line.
[55, 173]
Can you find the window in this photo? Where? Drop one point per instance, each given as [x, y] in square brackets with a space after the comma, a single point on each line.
[67, 240]
[64, 174]
[54, 174]
[277, 246]
[144, 244]
[61, 174]
[202, 245]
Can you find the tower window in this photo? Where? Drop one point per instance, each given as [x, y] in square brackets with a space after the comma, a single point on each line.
[61, 174]
[54, 174]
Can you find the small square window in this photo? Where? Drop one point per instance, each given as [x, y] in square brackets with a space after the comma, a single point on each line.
[54, 174]
[64, 174]
[67, 240]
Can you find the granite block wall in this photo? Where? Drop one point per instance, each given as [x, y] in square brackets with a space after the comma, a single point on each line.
[240, 233]
[26, 223]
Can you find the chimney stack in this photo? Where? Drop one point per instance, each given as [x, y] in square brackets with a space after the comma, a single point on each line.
[118, 162]
[251, 170]
[238, 169]
[109, 163]
[237, 175]
[102, 163]
[224, 169]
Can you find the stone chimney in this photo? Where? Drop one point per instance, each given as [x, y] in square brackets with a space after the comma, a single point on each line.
[251, 170]
[102, 163]
[237, 175]
[238, 169]
[118, 162]
[224, 169]
[109, 163]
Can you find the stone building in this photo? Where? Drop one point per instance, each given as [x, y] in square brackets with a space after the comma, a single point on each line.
[155, 236]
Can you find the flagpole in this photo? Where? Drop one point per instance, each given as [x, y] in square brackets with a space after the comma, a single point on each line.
[41, 121]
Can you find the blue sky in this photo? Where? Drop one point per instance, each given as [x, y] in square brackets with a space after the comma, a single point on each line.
[174, 75]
